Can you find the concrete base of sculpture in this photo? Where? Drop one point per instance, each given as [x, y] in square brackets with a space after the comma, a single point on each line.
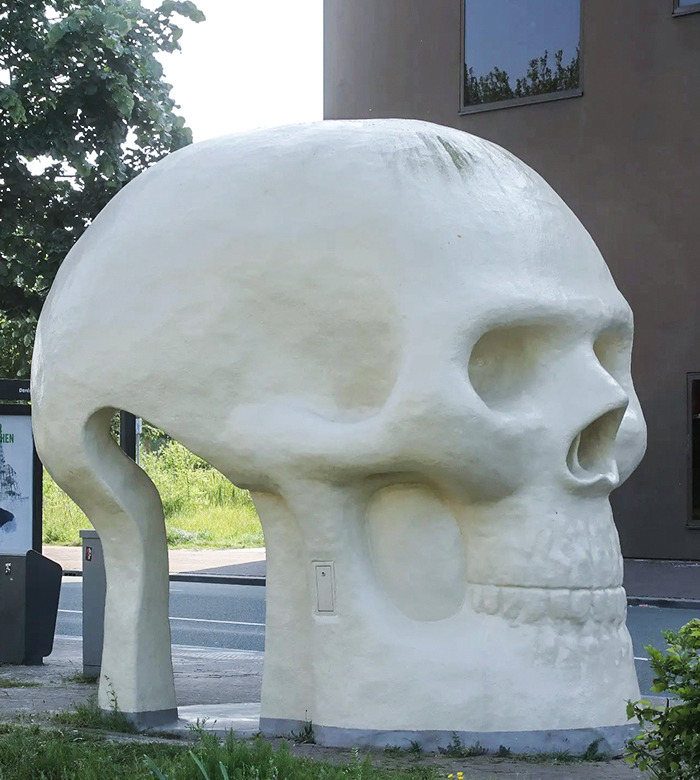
[243, 719]
[148, 720]
[609, 740]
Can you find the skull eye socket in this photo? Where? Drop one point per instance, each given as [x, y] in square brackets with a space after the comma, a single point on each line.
[613, 348]
[507, 361]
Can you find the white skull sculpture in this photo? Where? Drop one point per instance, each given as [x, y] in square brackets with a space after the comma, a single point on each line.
[410, 350]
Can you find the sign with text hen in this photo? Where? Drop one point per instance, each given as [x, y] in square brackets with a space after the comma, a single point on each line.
[17, 481]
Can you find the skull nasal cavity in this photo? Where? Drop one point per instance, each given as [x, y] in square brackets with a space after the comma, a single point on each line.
[591, 449]
[506, 361]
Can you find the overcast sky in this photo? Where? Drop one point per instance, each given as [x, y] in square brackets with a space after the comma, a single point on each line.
[253, 63]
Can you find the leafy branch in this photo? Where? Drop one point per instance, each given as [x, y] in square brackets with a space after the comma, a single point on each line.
[83, 109]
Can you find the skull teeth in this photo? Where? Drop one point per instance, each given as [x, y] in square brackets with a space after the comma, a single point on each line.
[531, 605]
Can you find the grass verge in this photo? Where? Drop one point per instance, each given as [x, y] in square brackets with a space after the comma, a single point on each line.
[202, 508]
[10, 682]
[90, 716]
[61, 754]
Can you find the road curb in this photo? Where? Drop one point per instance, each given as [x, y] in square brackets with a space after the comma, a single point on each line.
[653, 601]
[212, 579]
[225, 579]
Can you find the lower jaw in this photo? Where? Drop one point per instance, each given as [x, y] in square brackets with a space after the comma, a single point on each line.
[602, 606]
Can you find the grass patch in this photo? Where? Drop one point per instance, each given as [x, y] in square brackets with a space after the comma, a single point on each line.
[58, 754]
[202, 508]
[30, 753]
[305, 735]
[215, 527]
[10, 682]
[457, 749]
[79, 677]
[590, 754]
[90, 716]
[67, 753]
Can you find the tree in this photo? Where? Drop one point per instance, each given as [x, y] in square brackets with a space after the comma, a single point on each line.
[83, 109]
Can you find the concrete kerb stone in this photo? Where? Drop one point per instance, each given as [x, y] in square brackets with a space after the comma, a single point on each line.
[222, 579]
[212, 579]
[610, 740]
[669, 603]
[207, 565]
[244, 720]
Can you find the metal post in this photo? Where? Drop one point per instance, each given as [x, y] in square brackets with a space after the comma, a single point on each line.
[128, 439]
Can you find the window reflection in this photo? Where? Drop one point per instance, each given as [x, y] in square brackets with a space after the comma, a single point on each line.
[520, 48]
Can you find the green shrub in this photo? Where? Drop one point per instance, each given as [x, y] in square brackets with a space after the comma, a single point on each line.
[669, 745]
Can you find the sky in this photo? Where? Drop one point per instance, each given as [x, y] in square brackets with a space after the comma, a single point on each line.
[510, 33]
[253, 63]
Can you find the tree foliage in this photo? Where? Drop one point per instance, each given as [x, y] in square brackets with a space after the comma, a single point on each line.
[540, 79]
[83, 109]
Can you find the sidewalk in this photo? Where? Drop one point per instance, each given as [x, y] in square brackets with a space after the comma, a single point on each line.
[230, 563]
[675, 581]
[203, 676]
[223, 687]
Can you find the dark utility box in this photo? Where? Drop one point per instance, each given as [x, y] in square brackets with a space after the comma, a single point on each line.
[29, 589]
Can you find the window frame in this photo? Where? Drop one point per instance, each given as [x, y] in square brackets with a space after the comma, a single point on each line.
[684, 10]
[690, 522]
[528, 99]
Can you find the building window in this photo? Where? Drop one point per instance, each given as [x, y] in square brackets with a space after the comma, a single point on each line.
[520, 51]
[682, 7]
[694, 450]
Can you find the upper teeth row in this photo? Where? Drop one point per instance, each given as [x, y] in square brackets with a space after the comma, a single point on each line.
[529, 605]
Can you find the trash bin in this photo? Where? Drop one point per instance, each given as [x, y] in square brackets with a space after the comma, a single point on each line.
[94, 587]
[30, 586]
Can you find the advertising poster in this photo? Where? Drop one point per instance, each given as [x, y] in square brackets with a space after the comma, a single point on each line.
[16, 483]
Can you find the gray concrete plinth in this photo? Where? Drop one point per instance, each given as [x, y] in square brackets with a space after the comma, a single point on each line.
[610, 740]
[244, 721]
[151, 718]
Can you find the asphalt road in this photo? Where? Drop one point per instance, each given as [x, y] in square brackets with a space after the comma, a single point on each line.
[645, 625]
[201, 615]
[233, 616]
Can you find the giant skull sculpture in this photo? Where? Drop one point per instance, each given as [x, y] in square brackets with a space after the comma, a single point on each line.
[410, 350]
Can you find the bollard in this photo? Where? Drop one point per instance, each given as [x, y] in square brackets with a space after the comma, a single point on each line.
[93, 603]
